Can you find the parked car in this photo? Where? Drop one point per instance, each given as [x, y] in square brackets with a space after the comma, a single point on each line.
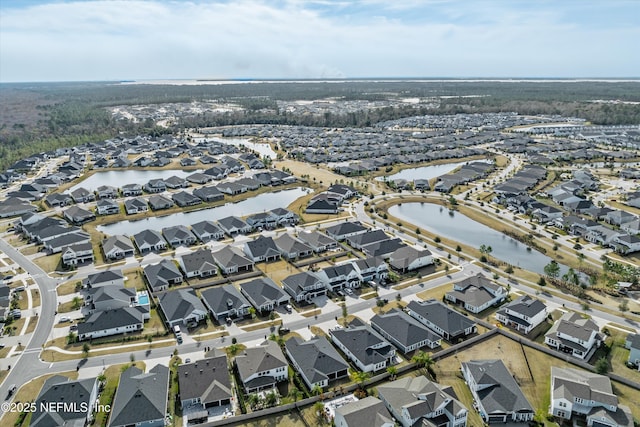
[64, 319]
[73, 327]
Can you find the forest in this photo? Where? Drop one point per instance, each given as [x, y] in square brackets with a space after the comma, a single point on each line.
[36, 117]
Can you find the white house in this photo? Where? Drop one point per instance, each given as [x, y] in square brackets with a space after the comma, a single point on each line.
[523, 314]
[587, 394]
[476, 293]
[575, 335]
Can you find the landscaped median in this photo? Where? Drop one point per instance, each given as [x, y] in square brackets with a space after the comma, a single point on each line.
[58, 350]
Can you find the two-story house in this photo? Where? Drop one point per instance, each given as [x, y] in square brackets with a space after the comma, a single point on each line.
[575, 335]
[523, 314]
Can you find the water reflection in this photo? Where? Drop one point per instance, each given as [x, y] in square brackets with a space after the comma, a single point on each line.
[260, 203]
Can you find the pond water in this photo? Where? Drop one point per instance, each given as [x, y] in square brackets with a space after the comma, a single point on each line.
[424, 172]
[118, 178]
[262, 149]
[260, 203]
[437, 219]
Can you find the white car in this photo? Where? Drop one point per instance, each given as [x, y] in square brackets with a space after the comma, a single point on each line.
[348, 291]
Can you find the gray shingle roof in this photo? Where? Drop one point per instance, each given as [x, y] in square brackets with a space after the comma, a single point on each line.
[317, 358]
[179, 304]
[499, 391]
[403, 328]
[207, 379]
[140, 397]
[62, 389]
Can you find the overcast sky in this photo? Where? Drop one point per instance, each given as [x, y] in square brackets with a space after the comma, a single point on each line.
[224, 39]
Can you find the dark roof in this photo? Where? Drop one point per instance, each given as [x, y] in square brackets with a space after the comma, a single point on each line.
[207, 379]
[262, 246]
[162, 273]
[442, 316]
[109, 319]
[526, 305]
[262, 290]
[140, 397]
[223, 298]
[364, 343]
[179, 304]
[403, 327]
[62, 389]
[499, 391]
[200, 260]
[317, 358]
[262, 358]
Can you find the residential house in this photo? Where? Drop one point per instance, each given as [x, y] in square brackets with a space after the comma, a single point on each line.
[359, 240]
[589, 395]
[157, 202]
[57, 244]
[626, 244]
[383, 248]
[345, 229]
[262, 367]
[264, 294]
[316, 360]
[574, 335]
[111, 322]
[321, 207]
[231, 260]
[106, 192]
[633, 344]
[204, 384]
[263, 220]
[476, 293]
[162, 275]
[496, 392]
[233, 225]
[184, 199]
[199, 178]
[107, 207]
[82, 195]
[78, 216]
[319, 242]
[141, 398]
[208, 194]
[58, 391]
[176, 182]
[182, 307]
[178, 235]
[285, 217]
[77, 254]
[337, 277]
[408, 258]
[135, 206]
[149, 241]
[546, 214]
[416, 401]
[206, 231]
[304, 286]
[262, 249]
[58, 199]
[105, 277]
[403, 331]
[199, 263]
[292, 248]
[225, 302]
[369, 411]
[129, 190]
[372, 268]
[618, 217]
[363, 346]
[523, 314]
[117, 247]
[231, 188]
[448, 323]
[155, 186]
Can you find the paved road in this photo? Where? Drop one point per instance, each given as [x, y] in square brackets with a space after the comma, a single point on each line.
[28, 361]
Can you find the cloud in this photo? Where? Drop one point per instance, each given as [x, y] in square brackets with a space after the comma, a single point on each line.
[113, 40]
